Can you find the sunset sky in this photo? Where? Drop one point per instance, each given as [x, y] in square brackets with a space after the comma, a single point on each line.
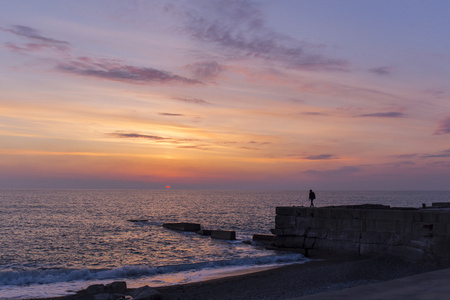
[291, 95]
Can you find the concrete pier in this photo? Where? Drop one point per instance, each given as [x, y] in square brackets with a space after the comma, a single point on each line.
[366, 230]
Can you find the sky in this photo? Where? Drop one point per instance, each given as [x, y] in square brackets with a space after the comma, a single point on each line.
[232, 94]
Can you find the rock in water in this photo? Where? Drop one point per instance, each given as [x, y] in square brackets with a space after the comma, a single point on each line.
[183, 226]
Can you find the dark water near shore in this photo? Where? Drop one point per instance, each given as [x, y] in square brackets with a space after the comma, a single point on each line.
[54, 241]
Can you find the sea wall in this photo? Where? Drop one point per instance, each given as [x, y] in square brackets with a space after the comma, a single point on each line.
[366, 230]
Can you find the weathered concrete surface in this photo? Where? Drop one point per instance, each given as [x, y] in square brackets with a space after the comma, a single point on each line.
[223, 234]
[366, 230]
[204, 232]
[267, 239]
[183, 226]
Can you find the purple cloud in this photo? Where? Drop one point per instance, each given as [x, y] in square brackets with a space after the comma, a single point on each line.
[155, 138]
[37, 41]
[321, 157]
[391, 114]
[93, 67]
[238, 29]
[191, 100]
[138, 136]
[444, 126]
[206, 70]
[381, 70]
[33, 34]
[445, 153]
[313, 113]
[113, 70]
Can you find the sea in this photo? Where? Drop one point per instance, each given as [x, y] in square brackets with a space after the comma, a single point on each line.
[55, 242]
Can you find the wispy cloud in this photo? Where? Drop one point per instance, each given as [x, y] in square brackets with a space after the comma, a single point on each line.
[443, 126]
[445, 153]
[100, 68]
[154, 138]
[237, 29]
[441, 154]
[33, 34]
[387, 70]
[313, 113]
[35, 41]
[117, 71]
[392, 114]
[171, 115]
[206, 70]
[191, 100]
[138, 136]
[321, 157]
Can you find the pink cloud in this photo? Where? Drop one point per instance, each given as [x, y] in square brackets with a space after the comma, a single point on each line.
[444, 126]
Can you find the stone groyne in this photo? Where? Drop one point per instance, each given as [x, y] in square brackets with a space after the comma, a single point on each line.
[415, 234]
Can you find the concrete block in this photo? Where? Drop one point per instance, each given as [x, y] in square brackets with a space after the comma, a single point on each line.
[336, 246]
[303, 222]
[308, 212]
[403, 215]
[448, 229]
[440, 229]
[381, 226]
[294, 231]
[421, 229]
[337, 224]
[345, 213]
[309, 243]
[323, 213]
[204, 232]
[372, 237]
[318, 223]
[183, 226]
[403, 227]
[278, 232]
[443, 217]
[284, 221]
[417, 216]
[430, 216]
[302, 212]
[291, 242]
[286, 211]
[264, 238]
[223, 234]
[339, 235]
[381, 214]
[441, 204]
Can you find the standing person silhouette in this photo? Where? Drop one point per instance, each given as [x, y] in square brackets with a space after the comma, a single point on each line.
[312, 196]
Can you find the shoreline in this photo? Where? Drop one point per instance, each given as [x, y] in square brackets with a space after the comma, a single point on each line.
[297, 280]
[321, 274]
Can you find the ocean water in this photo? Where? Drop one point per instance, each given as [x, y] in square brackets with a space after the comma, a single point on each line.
[54, 242]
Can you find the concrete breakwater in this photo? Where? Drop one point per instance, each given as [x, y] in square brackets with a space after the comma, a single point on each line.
[411, 233]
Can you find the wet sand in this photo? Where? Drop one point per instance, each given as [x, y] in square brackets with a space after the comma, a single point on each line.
[298, 280]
